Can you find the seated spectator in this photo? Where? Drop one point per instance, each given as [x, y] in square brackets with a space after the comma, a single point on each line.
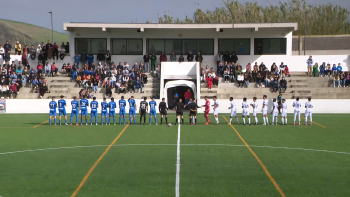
[347, 78]
[286, 70]
[248, 69]
[13, 89]
[274, 84]
[215, 78]
[334, 70]
[19, 71]
[19, 84]
[315, 70]
[5, 91]
[88, 95]
[246, 79]
[173, 57]
[130, 85]
[158, 71]
[94, 82]
[232, 74]
[121, 89]
[209, 82]
[227, 76]
[329, 70]
[336, 79]
[138, 85]
[81, 93]
[125, 71]
[35, 84]
[240, 80]
[18, 48]
[125, 79]
[78, 80]
[120, 66]
[47, 69]
[64, 67]
[75, 66]
[339, 69]
[342, 78]
[181, 58]
[220, 69]
[108, 91]
[162, 58]
[255, 73]
[13, 76]
[113, 80]
[276, 70]
[267, 79]
[117, 86]
[74, 75]
[322, 69]
[54, 69]
[144, 77]
[62, 52]
[283, 84]
[262, 65]
[126, 65]
[282, 69]
[202, 75]
[259, 79]
[238, 72]
[142, 67]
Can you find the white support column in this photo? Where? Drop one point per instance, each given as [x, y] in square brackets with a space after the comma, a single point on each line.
[252, 46]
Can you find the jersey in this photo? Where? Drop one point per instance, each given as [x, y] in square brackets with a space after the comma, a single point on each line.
[53, 106]
[75, 105]
[143, 105]
[104, 107]
[284, 109]
[207, 106]
[216, 107]
[232, 106]
[308, 106]
[131, 103]
[255, 106]
[83, 104]
[152, 105]
[265, 104]
[162, 106]
[296, 105]
[245, 107]
[111, 106]
[94, 105]
[179, 107]
[275, 105]
[122, 105]
[61, 105]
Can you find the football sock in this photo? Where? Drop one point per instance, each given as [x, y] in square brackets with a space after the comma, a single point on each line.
[299, 118]
[109, 121]
[264, 120]
[310, 119]
[182, 120]
[166, 120]
[276, 119]
[114, 119]
[101, 120]
[190, 120]
[273, 118]
[176, 121]
[161, 120]
[71, 118]
[282, 120]
[249, 120]
[65, 121]
[120, 120]
[150, 119]
[256, 120]
[140, 119]
[243, 120]
[134, 119]
[237, 119]
[50, 121]
[195, 120]
[285, 120]
[59, 121]
[155, 119]
[267, 120]
[55, 120]
[217, 119]
[96, 119]
[230, 120]
[144, 119]
[130, 119]
[295, 117]
[86, 120]
[124, 119]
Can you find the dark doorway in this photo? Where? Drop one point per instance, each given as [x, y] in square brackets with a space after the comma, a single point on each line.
[180, 91]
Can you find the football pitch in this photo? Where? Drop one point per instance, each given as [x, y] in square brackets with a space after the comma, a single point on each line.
[39, 160]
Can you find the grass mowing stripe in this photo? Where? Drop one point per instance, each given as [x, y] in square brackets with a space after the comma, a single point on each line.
[177, 182]
[98, 160]
[259, 161]
[314, 123]
[41, 124]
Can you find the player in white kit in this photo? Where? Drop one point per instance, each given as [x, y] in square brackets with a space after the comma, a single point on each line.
[274, 111]
[296, 105]
[233, 111]
[308, 112]
[284, 112]
[264, 110]
[216, 110]
[245, 112]
[255, 109]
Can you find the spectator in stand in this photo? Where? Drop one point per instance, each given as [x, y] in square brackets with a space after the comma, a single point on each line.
[282, 69]
[309, 63]
[329, 70]
[141, 67]
[41, 57]
[83, 58]
[347, 79]
[232, 74]
[138, 85]
[49, 53]
[262, 65]
[32, 52]
[54, 69]
[199, 58]
[55, 51]
[7, 56]
[2, 52]
[153, 62]
[18, 48]
[125, 79]
[130, 85]
[203, 75]
[90, 58]
[120, 67]
[121, 89]
[336, 79]
[226, 57]
[181, 58]
[215, 78]
[339, 68]
[62, 53]
[109, 91]
[315, 70]
[7, 47]
[19, 71]
[26, 72]
[69, 69]
[220, 69]
[234, 58]
[125, 71]
[158, 71]
[108, 57]
[267, 79]
[13, 89]
[188, 96]
[342, 78]
[259, 79]
[67, 47]
[274, 84]
[26, 50]
[227, 76]
[144, 77]
[39, 49]
[218, 58]
[240, 80]
[255, 73]
[173, 57]
[238, 71]
[246, 79]
[190, 57]
[209, 82]
[273, 68]
[146, 59]
[162, 58]
[5, 92]
[19, 84]
[47, 69]
[323, 69]
[100, 57]
[283, 84]
[334, 70]
[64, 68]
[24, 58]
[248, 70]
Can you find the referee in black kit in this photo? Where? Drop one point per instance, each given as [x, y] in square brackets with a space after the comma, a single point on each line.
[193, 111]
[179, 107]
[163, 111]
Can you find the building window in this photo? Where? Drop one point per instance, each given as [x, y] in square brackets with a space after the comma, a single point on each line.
[270, 46]
[95, 45]
[180, 46]
[126, 46]
[240, 45]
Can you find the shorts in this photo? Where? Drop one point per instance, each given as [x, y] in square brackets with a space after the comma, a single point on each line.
[275, 113]
[121, 112]
[93, 114]
[193, 113]
[180, 113]
[284, 114]
[206, 113]
[163, 112]
[84, 112]
[53, 113]
[233, 113]
[255, 112]
[104, 113]
[216, 112]
[245, 113]
[153, 113]
[111, 113]
[60, 112]
[297, 112]
[76, 113]
[132, 111]
[264, 112]
[143, 112]
[308, 113]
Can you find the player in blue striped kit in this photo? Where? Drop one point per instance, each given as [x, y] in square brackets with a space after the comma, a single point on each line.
[94, 112]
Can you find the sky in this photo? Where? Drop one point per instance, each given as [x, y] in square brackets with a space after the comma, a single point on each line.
[114, 11]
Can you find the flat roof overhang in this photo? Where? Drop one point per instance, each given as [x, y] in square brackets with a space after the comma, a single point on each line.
[143, 26]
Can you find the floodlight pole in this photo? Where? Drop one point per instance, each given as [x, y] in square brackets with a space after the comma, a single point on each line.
[51, 28]
[306, 12]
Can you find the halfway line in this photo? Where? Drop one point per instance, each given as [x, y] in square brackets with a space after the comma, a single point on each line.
[177, 182]
[315, 123]
[98, 160]
[260, 162]
[41, 124]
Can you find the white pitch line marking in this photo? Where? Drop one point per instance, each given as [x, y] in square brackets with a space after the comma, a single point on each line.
[177, 182]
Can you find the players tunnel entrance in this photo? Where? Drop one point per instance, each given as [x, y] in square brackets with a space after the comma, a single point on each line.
[177, 89]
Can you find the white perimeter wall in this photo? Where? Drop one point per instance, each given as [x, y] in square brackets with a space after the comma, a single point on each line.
[320, 105]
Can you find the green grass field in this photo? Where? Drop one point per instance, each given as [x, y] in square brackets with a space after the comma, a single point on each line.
[39, 160]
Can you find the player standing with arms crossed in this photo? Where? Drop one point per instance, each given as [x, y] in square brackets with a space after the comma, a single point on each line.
[153, 111]
[206, 110]
[132, 109]
[83, 110]
[94, 112]
[264, 110]
[308, 112]
[75, 111]
[52, 106]
[233, 111]
[62, 109]
[111, 105]
[104, 107]
[284, 112]
[245, 112]
[274, 111]
[216, 110]
[179, 107]
[143, 110]
[122, 105]
[163, 111]
[296, 105]
[255, 110]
